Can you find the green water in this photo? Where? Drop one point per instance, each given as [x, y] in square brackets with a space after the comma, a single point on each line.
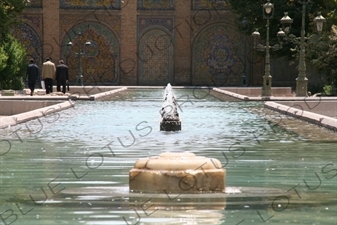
[97, 143]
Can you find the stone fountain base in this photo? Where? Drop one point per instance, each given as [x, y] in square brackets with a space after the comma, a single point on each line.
[233, 198]
[181, 172]
[179, 181]
[170, 126]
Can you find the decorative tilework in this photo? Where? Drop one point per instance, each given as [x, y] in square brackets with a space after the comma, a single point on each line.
[67, 22]
[156, 4]
[35, 21]
[34, 4]
[31, 40]
[91, 4]
[146, 22]
[210, 4]
[100, 59]
[155, 58]
[217, 56]
[202, 18]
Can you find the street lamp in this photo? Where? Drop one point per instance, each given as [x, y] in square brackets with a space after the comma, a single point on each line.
[286, 21]
[79, 55]
[244, 28]
[319, 20]
[268, 12]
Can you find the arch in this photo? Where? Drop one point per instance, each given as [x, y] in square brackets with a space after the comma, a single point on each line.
[31, 40]
[99, 61]
[218, 56]
[155, 57]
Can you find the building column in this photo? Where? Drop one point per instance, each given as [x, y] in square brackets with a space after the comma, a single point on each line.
[128, 57]
[51, 31]
[182, 47]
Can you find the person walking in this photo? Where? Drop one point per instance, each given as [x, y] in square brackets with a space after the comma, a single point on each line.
[48, 74]
[32, 74]
[62, 76]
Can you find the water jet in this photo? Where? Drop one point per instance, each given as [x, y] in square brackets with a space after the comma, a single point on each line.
[169, 113]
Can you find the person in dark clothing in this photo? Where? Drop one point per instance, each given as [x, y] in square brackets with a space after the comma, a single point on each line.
[62, 76]
[32, 75]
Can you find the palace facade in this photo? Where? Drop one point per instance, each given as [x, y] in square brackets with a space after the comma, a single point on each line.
[144, 42]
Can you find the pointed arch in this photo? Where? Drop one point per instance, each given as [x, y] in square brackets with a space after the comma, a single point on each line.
[99, 61]
[218, 56]
[31, 40]
[155, 57]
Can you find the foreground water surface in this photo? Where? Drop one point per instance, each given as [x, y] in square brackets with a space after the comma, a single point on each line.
[97, 143]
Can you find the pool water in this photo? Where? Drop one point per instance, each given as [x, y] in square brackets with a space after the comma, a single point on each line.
[97, 143]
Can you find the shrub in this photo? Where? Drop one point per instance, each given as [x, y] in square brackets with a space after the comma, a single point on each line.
[328, 89]
[17, 83]
[12, 64]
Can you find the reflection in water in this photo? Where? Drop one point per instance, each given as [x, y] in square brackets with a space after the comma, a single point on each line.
[97, 143]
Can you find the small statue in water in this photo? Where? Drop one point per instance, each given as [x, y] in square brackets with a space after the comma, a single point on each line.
[169, 113]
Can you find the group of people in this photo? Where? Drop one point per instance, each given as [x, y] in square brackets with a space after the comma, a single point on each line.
[49, 74]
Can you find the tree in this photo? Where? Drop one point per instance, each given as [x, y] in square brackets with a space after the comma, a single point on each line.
[12, 53]
[252, 11]
[322, 54]
[9, 11]
[320, 51]
[12, 70]
[3, 58]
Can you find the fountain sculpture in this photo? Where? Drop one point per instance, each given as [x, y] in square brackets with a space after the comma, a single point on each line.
[169, 113]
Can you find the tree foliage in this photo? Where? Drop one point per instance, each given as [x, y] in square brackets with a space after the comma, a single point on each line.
[9, 10]
[12, 68]
[252, 10]
[320, 52]
[12, 53]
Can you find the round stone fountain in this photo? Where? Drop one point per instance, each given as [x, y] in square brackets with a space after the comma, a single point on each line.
[177, 172]
[177, 180]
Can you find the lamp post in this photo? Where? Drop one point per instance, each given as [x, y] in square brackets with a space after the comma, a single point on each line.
[79, 55]
[244, 28]
[268, 12]
[286, 21]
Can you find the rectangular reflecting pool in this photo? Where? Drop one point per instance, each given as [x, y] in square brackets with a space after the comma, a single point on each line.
[46, 164]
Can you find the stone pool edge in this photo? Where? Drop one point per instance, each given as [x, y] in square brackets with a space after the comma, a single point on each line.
[15, 119]
[314, 118]
[105, 94]
[34, 114]
[311, 117]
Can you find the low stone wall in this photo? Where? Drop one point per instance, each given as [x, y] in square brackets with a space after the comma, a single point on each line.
[296, 110]
[225, 95]
[91, 90]
[9, 107]
[6, 121]
[256, 91]
[98, 96]
[327, 108]
[12, 92]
